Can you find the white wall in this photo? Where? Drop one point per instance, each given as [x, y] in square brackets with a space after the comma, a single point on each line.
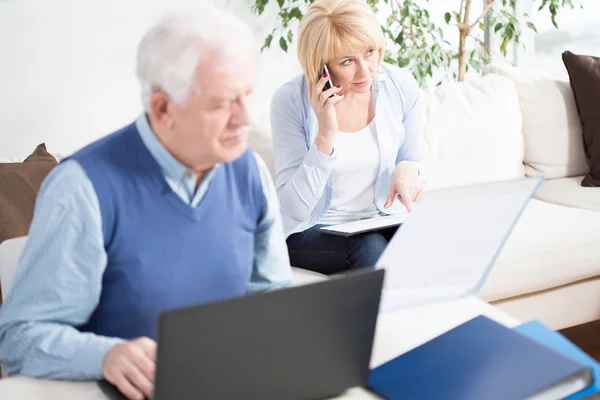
[67, 69]
[579, 32]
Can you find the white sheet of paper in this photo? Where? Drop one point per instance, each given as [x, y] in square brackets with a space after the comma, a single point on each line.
[451, 241]
[366, 225]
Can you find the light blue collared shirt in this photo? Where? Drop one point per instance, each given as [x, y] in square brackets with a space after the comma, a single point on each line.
[304, 174]
[58, 281]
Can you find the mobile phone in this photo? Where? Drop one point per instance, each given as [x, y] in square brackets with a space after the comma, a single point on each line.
[329, 83]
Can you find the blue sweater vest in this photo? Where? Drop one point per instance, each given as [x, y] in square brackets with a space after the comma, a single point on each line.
[162, 253]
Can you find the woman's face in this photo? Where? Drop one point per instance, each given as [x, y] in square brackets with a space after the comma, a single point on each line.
[355, 71]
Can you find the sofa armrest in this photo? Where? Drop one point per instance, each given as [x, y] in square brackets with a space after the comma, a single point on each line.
[10, 252]
[306, 277]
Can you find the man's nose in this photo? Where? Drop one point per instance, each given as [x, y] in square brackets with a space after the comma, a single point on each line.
[242, 115]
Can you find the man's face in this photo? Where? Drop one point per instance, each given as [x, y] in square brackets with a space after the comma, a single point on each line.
[212, 125]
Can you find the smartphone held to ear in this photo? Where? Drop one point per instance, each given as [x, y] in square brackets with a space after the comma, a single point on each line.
[329, 83]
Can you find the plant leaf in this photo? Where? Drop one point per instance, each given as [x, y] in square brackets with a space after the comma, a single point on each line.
[268, 41]
[532, 27]
[283, 44]
[553, 18]
[295, 13]
[503, 45]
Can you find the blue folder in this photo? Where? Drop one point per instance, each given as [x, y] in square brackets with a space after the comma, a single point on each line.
[543, 334]
[480, 359]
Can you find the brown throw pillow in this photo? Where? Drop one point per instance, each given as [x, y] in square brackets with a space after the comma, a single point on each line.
[19, 186]
[584, 74]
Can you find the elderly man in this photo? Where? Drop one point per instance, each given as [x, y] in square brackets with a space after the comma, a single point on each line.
[169, 211]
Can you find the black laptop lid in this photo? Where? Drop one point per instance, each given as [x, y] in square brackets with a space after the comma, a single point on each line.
[305, 342]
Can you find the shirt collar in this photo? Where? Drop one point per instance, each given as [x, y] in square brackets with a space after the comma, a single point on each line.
[169, 165]
[379, 79]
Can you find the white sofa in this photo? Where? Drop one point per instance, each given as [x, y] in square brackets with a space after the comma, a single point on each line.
[510, 123]
[550, 268]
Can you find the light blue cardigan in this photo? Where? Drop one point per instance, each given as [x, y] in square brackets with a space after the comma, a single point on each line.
[303, 179]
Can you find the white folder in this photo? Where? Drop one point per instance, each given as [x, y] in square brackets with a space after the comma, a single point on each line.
[450, 242]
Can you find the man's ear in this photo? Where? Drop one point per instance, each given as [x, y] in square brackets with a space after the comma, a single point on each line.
[159, 107]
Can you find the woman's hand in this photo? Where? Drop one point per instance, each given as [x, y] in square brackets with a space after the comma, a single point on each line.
[406, 183]
[323, 103]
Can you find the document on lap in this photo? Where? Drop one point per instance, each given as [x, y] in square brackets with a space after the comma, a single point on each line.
[365, 225]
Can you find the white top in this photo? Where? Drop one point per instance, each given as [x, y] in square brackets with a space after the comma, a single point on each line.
[354, 174]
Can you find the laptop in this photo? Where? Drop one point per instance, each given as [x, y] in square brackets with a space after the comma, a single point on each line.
[441, 253]
[304, 342]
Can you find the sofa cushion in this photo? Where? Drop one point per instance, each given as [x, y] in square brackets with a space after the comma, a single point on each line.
[473, 132]
[551, 127]
[19, 185]
[569, 192]
[584, 74]
[551, 245]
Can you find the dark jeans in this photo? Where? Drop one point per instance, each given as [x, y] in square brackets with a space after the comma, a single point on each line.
[330, 254]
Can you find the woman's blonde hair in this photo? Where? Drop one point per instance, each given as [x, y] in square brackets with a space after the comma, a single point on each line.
[330, 26]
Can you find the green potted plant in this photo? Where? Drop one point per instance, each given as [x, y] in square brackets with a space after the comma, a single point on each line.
[417, 42]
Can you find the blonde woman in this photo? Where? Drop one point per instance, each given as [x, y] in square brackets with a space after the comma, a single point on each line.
[349, 152]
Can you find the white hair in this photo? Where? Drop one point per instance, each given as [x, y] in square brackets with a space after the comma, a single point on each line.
[169, 52]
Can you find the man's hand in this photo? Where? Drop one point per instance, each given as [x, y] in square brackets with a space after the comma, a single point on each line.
[130, 367]
[406, 183]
